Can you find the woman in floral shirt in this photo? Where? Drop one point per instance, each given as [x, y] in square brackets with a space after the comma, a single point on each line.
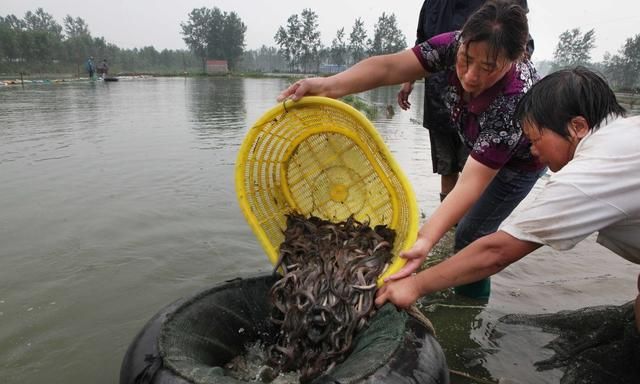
[487, 75]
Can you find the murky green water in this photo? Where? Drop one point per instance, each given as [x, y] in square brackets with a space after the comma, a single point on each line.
[118, 198]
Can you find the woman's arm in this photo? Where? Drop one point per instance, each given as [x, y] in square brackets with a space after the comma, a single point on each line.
[473, 181]
[370, 73]
[482, 258]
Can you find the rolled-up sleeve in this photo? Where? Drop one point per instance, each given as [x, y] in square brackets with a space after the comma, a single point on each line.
[438, 53]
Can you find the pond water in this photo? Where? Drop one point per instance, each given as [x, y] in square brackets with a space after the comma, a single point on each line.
[118, 198]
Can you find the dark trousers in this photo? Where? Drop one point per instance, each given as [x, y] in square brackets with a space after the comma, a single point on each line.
[507, 189]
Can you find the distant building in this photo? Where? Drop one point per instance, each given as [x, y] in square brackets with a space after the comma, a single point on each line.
[331, 68]
[217, 66]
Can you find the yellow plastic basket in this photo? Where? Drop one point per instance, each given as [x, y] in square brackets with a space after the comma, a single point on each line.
[319, 156]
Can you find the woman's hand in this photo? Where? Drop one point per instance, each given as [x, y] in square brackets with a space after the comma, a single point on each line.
[415, 256]
[402, 293]
[315, 86]
[403, 95]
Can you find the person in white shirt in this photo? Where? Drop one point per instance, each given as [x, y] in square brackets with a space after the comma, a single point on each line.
[579, 130]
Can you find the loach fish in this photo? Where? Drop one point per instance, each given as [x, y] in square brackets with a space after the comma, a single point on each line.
[326, 292]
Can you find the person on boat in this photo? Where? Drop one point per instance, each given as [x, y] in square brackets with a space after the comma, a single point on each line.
[487, 74]
[90, 67]
[105, 68]
[577, 128]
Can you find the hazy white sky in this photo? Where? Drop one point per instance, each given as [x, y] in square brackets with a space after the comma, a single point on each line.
[139, 23]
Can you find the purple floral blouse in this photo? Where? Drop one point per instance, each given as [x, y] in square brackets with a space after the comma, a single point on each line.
[485, 123]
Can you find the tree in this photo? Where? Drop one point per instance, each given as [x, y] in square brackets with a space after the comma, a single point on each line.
[42, 21]
[44, 38]
[196, 33]
[78, 44]
[357, 41]
[214, 34]
[265, 59]
[310, 42]
[338, 51]
[150, 57]
[300, 42]
[289, 40]
[233, 36]
[8, 40]
[37, 43]
[387, 37]
[574, 48]
[75, 27]
[12, 34]
[623, 69]
[14, 23]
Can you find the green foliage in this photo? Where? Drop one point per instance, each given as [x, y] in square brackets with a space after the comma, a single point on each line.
[387, 37]
[361, 105]
[75, 27]
[233, 35]
[300, 42]
[196, 33]
[310, 40]
[623, 69]
[574, 48]
[8, 40]
[338, 50]
[265, 59]
[43, 22]
[358, 41]
[39, 37]
[213, 34]
[288, 39]
[37, 44]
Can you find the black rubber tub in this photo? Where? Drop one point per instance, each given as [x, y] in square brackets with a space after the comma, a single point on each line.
[190, 340]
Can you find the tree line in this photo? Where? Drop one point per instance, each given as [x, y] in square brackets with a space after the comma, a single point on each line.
[300, 50]
[38, 43]
[214, 34]
[622, 69]
[300, 45]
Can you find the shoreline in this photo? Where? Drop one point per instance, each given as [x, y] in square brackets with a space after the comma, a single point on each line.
[51, 78]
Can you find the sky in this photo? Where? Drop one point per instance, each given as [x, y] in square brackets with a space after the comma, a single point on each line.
[139, 23]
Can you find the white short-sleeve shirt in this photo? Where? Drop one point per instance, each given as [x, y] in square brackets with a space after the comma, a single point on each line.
[597, 191]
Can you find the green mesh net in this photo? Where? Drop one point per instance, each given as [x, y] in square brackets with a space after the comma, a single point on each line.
[594, 345]
[209, 330]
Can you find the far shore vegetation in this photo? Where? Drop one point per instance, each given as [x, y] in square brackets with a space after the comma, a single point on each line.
[37, 46]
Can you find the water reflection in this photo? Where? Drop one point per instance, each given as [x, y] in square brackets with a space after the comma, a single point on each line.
[216, 104]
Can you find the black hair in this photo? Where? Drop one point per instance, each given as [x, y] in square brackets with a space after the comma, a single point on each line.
[559, 97]
[502, 24]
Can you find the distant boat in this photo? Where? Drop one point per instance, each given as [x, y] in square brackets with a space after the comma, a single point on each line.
[110, 79]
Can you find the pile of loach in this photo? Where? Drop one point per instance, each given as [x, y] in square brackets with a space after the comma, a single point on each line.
[327, 290]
